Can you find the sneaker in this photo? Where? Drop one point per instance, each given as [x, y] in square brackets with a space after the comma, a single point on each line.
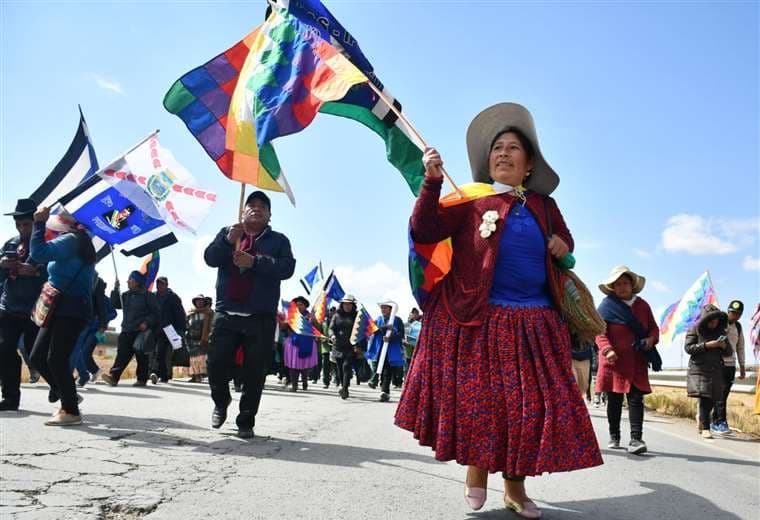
[384, 398]
[8, 406]
[94, 376]
[140, 383]
[109, 379]
[343, 393]
[153, 379]
[64, 419]
[637, 447]
[614, 443]
[720, 428]
[706, 434]
[219, 415]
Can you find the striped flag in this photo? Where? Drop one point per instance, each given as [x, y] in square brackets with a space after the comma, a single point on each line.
[78, 163]
[311, 278]
[299, 323]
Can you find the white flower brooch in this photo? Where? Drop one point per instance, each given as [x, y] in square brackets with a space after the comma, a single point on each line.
[489, 223]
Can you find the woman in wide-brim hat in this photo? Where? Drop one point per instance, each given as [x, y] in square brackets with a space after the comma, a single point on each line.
[491, 384]
[199, 321]
[623, 371]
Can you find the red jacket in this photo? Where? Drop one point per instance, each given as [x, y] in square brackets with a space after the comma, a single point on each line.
[466, 287]
[631, 366]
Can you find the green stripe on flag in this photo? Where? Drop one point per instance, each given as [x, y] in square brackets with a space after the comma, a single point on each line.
[402, 153]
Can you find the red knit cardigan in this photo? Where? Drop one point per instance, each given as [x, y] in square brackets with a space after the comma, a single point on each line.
[466, 287]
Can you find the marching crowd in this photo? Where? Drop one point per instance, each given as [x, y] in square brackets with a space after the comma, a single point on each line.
[492, 358]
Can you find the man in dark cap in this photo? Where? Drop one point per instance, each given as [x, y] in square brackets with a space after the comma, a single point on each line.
[21, 281]
[251, 260]
[140, 317]
[736, 339]
[172, 313]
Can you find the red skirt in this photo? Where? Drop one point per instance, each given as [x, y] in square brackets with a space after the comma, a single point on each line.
[500, 396]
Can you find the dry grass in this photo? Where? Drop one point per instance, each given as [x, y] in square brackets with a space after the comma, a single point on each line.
[673, 401]
[104, 359]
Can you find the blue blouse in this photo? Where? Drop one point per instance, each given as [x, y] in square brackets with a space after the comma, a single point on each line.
[520, 276]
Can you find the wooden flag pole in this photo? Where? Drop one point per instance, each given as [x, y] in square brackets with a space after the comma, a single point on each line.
[241, 207]
[409, 125]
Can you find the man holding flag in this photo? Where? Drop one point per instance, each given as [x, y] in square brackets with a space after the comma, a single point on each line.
[251, 260]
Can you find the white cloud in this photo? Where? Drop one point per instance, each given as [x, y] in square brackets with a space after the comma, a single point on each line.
[697, 235]
[659, 286]
[108, 85]
[375, 283]
[751, 263]
[642, 253]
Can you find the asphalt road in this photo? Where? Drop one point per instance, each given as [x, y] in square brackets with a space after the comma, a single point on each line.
[150, 453]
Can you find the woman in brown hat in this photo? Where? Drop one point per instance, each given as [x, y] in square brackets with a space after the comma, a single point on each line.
[491, 384]
[199, 320]
[631, 332]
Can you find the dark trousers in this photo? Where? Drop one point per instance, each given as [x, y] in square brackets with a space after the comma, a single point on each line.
[345, 370]
[256, 335]
[326, 368]
[635, 412]
[729, 375]
[50, 356]
[11, 330]
[706, 406]
[81, 359]
[161, 359]
[317, 370]
[295, 374]
[124, 353]
[390, 374]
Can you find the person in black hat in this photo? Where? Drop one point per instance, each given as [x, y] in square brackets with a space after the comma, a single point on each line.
[251, 260]
[172, 313]
[735, 338]
[21, 280]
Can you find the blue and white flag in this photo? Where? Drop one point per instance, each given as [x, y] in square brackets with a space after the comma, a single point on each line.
[77, 164]
[312, 277]
[116, 220]
[332, 288]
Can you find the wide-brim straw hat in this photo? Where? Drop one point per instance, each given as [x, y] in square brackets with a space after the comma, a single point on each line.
[389, 303]
[348, 298]
[490, 123]
[638, 280]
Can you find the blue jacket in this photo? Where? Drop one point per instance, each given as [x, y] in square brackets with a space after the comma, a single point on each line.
[395, 352]
[19, 293]
[273, 263]
[66, 271]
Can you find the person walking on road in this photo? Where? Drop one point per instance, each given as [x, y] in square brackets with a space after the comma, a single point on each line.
[199, 320]
[632, 333]
[251, 260]
[707, 344]
[21, 280]
[735, 337]
[394, 358]
[491, 383]
[172, 313]
[343, 351]
[141, 314]
[300, 351]
[71, 270]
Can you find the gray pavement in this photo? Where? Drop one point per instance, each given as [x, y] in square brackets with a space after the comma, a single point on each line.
[150, 453]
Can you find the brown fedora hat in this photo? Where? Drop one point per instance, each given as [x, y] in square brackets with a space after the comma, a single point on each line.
[490, 123]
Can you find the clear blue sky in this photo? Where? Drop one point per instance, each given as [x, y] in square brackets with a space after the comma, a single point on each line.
[648, 111]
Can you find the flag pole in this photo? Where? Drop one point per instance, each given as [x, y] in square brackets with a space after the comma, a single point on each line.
[116, 273]
[403, 118]
[241, 206]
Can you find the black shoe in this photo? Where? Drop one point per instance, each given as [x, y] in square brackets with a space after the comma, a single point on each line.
[109, 379]
[140, 383]
[238, 388]
[153, 379]
[53, 395]
[218, 416]
[8, 406]
[305, 385]
[343, 393]
[637, 447]
[384, 398]
[372, 385]
[245, 433]
[326, 386]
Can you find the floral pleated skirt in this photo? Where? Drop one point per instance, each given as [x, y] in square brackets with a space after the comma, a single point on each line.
[500, 396]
